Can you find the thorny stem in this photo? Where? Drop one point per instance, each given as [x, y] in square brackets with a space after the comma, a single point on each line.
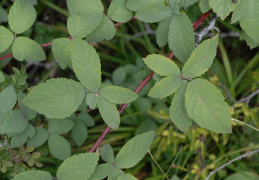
[141, 86]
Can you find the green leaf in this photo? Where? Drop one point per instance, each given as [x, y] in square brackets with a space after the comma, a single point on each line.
[86, 64]
[86, 119]
[33, 2]
[21, 138]
[154, 13]
[91, 100]
[116, 172]
[62, 50]
[107, 153]
[176, 5]
[222, 7]
[2, 78]
[181, 37]
[206, 106]
[59, 126]
[243, 175]
[119, 12]
[28, 112]
[40, 137]
[250, 21]
[240, 10]
[6, 38]
[21, 16]
[79, 167]
[126, 177]
[83, 24]
[177, 109]
[136, 5]
[105, 30]
[165, 87]
[119, 76]
[79, 133]
[3, 15]
[102, 171]
[25, 48]
[118, 95]
[109, 113]
[57, 98]
[84, 6]
[134, 150]
[250, 42]
[161, 65]
[187, 3]
[32, 175]
[15, 122]
[8, 98]
[201, 59]
[162, 31]
[145, 126]
[204, 6]
[59, 147]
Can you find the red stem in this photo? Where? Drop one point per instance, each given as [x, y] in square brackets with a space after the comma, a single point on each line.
[141, 86]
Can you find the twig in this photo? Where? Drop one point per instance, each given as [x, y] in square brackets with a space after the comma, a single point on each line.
[249, 97]
[233, 160]
[232, 119]
[158, 165]
[206, 30]
[228, 93]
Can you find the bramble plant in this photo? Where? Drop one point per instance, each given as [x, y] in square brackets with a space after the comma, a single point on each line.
[52, 114]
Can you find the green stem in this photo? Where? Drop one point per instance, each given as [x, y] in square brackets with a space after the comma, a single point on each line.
[226, 62]
[253, 62]
[55, 7]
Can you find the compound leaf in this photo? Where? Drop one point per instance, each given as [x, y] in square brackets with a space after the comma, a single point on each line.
[119, 12]
[59, 147]
[161, 65]
[105, 30]
[40, 137]
[107, 153]
[154, 13]
[15, 122]
[181, 36]
[81, 25]
[134, 150]
[86, 64]
[222, 7]
[79, 167]
[201, 59]
[250, 21]
[109, 113]
[57, 98]
[6, 38]
[206, 106]
[25, 48]
[165, 87]
[62, 126]
[91, 100]
[177, 109]
[33, 174]
[21, 16]
[84, 6]
[61, 48]
[118, 95]
[8, 99]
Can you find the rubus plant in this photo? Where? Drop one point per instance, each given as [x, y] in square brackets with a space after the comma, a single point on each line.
[30, 116]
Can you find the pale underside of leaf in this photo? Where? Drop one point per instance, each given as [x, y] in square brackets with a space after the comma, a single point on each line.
[206, 106]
